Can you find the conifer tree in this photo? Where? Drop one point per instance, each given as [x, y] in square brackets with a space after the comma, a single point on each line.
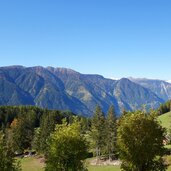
[22, 129]
[111, 130]
[7, 160]
[47, 126]
[98, 131]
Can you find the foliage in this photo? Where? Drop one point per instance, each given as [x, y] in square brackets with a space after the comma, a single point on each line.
[22, 130]
[164, 108]
[7, 161]
[98, 131]
[111, 131]
[21, 124]
[9, 113]
[140, 141]
[47, 126]
[67, 148]
[36, 140]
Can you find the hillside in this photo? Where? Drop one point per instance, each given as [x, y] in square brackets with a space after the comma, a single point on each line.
[161, 88]
[165, 120]
[66, 89]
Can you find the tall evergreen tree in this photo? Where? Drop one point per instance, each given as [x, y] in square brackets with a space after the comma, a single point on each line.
[98, 131]
[47, 126]
[22, 129]
[111, 131]
[7, 160]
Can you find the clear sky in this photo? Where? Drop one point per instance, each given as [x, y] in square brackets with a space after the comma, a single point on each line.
[114, 38]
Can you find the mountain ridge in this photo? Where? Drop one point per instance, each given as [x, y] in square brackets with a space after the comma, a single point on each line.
[160, 87]
[66, 89]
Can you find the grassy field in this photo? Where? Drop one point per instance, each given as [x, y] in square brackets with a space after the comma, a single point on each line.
[31, 164]
[104, 168]
[165, 120]
[35, 164]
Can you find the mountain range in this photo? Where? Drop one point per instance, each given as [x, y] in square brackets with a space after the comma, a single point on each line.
[66, 89]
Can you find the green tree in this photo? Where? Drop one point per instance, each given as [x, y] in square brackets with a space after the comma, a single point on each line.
[164, 108]
[140, 141]
[98, 131]
[22, 129]
[36, 140]
[67, 148]
[111, 131]
[7, 160]
[47, 126]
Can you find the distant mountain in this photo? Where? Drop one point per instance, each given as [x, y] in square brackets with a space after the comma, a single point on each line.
[131, 95]
[66, 89]
[161, 88]
[168, 81]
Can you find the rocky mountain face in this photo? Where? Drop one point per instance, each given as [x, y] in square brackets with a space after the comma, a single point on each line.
[65, 89]
[161, 88]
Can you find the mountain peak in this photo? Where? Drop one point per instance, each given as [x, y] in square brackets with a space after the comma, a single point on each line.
[124, 80]
[160, 87]
[169, 81]
[62, 70]
[66, 89]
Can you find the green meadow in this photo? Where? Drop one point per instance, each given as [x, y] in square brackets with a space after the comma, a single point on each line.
[35, 164]
[165, 120]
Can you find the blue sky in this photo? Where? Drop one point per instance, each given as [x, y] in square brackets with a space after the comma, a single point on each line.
[114, 38]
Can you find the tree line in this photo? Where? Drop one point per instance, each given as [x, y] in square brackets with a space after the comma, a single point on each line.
[136, 138]
[164, 108]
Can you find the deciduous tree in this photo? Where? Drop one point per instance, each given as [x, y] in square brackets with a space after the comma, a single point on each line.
[140, 141]
[67, 148]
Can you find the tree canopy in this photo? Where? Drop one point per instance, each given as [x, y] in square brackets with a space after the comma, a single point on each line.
[7, 160]
[140, 141]
[111, 132]
[98, 129]
[67, 148]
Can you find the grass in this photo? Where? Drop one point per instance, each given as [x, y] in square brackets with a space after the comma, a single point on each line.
[31, 164]
[165, 120]
[168, 146]
[104, 168]
[34, 164]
